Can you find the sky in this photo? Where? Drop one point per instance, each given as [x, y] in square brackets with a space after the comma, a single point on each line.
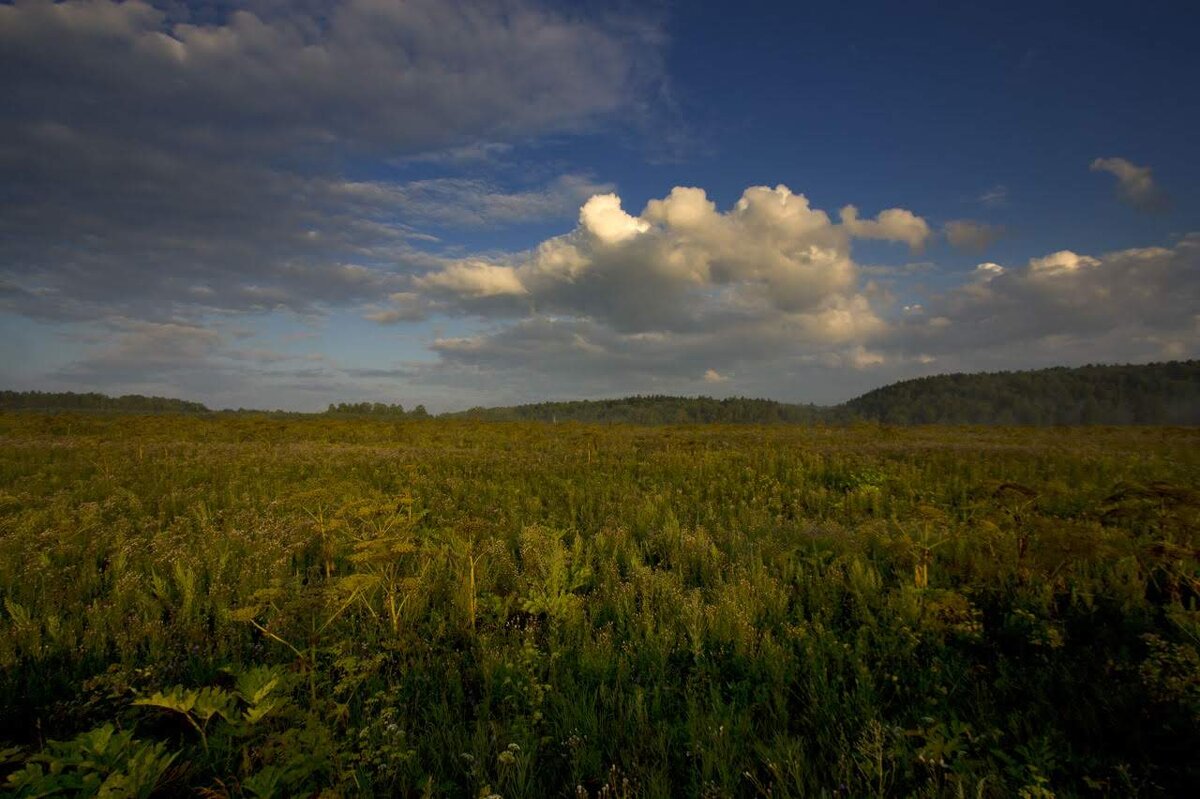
[288, 203]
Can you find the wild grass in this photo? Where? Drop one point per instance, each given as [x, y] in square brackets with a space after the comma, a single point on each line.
[279, 607]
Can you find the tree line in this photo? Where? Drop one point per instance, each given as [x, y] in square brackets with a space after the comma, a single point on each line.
[93, 401]
[657, 409]
[1155, 393]
[375, 409]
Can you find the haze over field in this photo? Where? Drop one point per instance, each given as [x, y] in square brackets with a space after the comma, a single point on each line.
[272, 204]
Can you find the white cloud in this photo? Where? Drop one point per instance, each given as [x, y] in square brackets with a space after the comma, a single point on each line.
[603, 217]
[713, 376]
[1129, 304]
[474, 279]
[988, 271]
[1058, 263]
[894, 224]
[1135, 184]
[766, 289]
[682, 265]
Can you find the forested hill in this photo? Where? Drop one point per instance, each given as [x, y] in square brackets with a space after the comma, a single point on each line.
[657, 409]
[69, 401]
[1156, 393]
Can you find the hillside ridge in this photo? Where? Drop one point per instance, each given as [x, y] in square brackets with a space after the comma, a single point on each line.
[1155, 393]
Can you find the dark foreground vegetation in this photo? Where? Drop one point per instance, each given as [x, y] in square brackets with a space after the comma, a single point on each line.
[252, 606]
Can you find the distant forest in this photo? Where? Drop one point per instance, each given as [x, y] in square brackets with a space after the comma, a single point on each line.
[657, 409]
[70, 401]
[1156, 393]
[376, 409]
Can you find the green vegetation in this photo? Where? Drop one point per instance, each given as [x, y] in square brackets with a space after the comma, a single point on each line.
[70, 401]
[260, 606]
[656, 409]
[376, 409]
[1157, 393]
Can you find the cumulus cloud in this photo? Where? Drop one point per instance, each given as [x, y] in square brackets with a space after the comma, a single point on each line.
[768, 290]
[1135, 184]
[264, 155]
[973, 236]
[681, 264]
[648, 300]
[1130, 304]
[894, 224]
[603, 217]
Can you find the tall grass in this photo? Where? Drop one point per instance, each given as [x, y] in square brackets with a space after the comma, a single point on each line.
[266, 607]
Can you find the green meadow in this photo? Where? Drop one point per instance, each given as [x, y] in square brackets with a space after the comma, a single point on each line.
[257, 606]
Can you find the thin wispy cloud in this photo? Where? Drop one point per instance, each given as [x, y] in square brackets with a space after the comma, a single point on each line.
[995, 197]
[1135, 184]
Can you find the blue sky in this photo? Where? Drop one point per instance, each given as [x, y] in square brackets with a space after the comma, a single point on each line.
[277, 204]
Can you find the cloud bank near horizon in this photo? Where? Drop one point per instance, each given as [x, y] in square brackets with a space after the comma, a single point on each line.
[769, 291]
[684, 297]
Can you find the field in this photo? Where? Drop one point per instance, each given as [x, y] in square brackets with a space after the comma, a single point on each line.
[272, 606]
